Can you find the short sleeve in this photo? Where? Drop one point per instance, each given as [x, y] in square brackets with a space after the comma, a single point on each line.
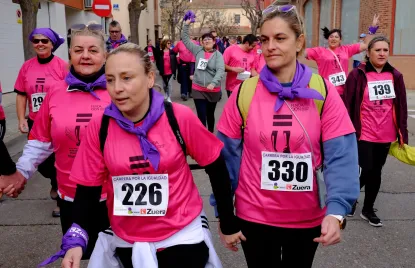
[42, 125]
[202, 145]
[89, 167]
[230, 122]
[64, 69]
[19, 85]
[335, 120]
[227, 56]
[313, 53]
[352, 49]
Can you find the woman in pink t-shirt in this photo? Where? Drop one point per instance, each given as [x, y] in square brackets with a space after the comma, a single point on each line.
[155, 210]
[167, 66]
[62, 121]
[35, 78]
[276, 160]
[375, 96]
[333, 62]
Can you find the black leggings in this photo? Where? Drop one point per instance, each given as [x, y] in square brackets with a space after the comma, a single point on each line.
[2, 128]
[180, 256]
[206, 113]
[372, 158]
[47, 168]
[269, 246]
[99, 224]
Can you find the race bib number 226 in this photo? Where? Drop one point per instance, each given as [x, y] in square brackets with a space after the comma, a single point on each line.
[141, 195]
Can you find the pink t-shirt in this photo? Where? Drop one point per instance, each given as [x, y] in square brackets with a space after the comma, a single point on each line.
[92, 168]
[63, 120]
[259, 62]
[34, 78]
[200, 88]
[280, 132]
[167, 64]
[377, 116]
[234, 56]
[185, 54]
[327, 63]
[2, 114]
[150, 50]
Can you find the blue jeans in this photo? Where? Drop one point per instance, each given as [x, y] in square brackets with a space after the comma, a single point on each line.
[206, 113]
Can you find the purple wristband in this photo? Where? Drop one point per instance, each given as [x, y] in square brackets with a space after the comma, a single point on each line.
[373, 29]
[74, 237]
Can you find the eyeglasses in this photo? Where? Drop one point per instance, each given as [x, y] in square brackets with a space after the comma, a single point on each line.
[91, 27]
[207, 39]
[273, 8]
[114, 32]
[43, 41]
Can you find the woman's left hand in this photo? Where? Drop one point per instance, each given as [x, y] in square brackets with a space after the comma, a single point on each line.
[211, 86]
[375, 21]
[188, 22]
[330, 231]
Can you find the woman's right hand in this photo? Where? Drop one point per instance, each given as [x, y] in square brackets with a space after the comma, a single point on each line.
[187, 22]
[238, 70]
[72, 258]
[23, 127]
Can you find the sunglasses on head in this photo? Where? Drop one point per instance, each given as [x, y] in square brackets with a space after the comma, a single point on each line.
[37, 41]
[91, 27]
[273, 8]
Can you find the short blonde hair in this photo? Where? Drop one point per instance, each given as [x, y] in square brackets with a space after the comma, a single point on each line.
[135, 50]
[87, 32]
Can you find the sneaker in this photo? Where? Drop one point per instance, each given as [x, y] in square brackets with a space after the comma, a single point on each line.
[56, 213]
[372, 218]
[184, 97]
[168, 99]
[351, 214]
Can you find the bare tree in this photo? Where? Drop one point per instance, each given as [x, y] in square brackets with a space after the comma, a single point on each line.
[173, 12]
[223, 23]
[203, 13]
[29, 17]
[134, 10]
[253, 11]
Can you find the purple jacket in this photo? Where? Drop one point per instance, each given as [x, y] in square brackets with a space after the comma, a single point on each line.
[353, 96]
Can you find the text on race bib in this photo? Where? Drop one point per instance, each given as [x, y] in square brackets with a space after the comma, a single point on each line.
[202, 64]
[37, 100]
[338, 79]
[381, 90]
[141, 195]
[259, 51]
[150, 54]
[243, 76]
[286, 172]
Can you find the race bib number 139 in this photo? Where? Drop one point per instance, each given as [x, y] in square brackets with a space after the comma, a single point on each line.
[381, 90]
[286, 172]
[141, 195]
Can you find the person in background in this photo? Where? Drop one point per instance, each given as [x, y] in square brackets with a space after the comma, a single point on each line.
[225, 42]
[186, 65]
[2, 117]
[152, 51]
[232, 40]
[375, 96]
[218, 41]
[239, 40]
[239, 63]
[35, 79]
[358, 58]
[167, 65]
[116, 37]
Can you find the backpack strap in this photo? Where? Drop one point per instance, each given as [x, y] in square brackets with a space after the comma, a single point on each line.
[317, 83]
[245, 94]
[103, 131]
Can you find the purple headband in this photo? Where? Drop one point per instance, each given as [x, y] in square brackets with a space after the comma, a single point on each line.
[54, 37]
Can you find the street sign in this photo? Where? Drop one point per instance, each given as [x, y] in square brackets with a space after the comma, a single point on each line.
[102, 8]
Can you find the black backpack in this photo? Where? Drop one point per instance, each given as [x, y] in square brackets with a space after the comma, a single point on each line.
[103, 131]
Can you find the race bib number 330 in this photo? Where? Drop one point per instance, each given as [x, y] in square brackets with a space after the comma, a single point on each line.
[141, 195]
[286, 172]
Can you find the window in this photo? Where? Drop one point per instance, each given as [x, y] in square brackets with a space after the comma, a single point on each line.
[309, 23]
[325, 19]
[237, 18]
[350, 27]
[404, 35]
[217, 14]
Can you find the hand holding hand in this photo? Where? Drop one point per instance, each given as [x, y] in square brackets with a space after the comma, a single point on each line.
[72, 258]
[330, 232]
[12, 185]
[231, 241]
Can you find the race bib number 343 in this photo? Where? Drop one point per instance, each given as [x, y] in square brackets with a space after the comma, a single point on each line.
[338, 79]
[141, 195]
[286, 172]
[381, 90]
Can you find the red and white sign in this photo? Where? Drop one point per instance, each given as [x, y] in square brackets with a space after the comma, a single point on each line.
[102, 8]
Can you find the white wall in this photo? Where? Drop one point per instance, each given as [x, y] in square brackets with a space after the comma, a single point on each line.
[146, 22]
[75, 16]
[121, 15]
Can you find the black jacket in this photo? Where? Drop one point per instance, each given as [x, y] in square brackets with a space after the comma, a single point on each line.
[160, 62]
[156, 52]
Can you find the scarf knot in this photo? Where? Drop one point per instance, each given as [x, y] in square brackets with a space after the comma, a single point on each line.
[75, 83]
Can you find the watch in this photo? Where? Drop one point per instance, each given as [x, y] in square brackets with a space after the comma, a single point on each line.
[341, 219]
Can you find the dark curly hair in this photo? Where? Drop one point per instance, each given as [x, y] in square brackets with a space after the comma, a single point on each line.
[327, 32]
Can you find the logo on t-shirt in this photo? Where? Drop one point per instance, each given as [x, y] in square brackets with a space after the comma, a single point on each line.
[40, 84]
[82, 119]
[138, 162]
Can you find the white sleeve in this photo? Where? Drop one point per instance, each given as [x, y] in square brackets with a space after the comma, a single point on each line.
[34, 153]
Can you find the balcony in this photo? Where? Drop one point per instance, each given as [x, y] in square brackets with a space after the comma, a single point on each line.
[78, 4]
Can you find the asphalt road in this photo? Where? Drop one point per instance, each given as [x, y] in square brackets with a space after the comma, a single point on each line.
[29, 234]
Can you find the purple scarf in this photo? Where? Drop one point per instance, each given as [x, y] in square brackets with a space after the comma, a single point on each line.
[75, 83]
[119, 41]
[156, 110]
[298, 88]
[54, 37]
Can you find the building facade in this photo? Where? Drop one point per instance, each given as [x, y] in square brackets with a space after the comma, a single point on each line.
[355, 16]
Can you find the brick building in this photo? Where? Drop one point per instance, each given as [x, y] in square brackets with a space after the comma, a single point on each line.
[355, 16]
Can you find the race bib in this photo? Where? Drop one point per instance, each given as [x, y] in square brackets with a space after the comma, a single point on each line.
[202, 64]
[37, 99]
[287, 172]
[259, 51]
[150, 54]
[141, 195]
[243, 76]
[338, 79]
[381, 90]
